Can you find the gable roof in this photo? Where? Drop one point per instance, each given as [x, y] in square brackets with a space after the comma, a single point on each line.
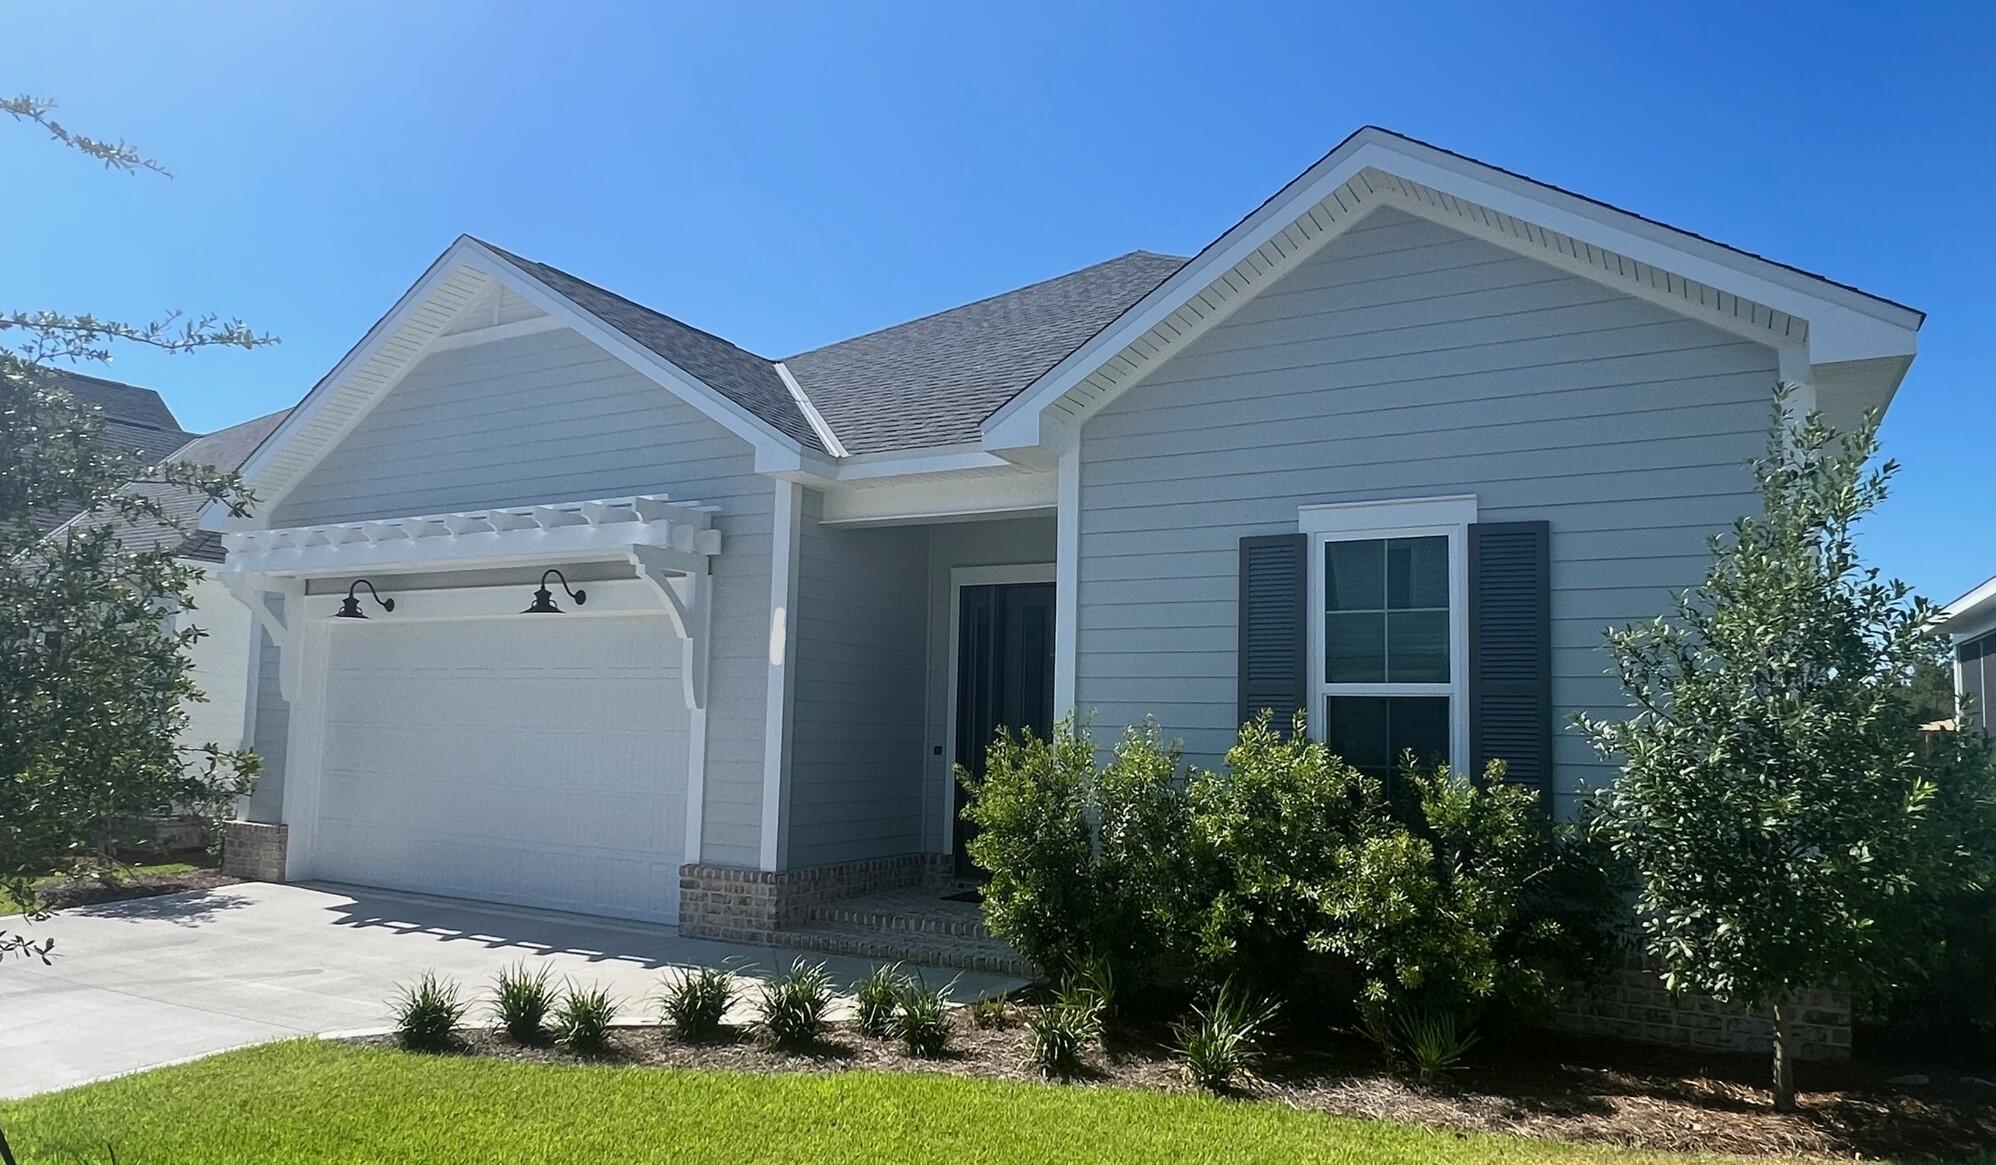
[931, 381]
[136, 421]
[1851, 347]
[225, 449]
[1018, 372]
[737, 373]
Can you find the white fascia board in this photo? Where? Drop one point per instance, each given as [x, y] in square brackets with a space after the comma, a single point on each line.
[215, 515]
[1015, 423]
[1844, 324]
[661, 371]
[1972, 613]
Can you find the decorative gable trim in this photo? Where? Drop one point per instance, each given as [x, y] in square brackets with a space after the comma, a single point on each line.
[1820, 322]
[431, 316]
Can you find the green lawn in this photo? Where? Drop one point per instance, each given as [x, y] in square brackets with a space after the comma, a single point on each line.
[8, 905]
[309, 1101]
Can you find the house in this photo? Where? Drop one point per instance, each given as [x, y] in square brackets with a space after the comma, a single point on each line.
[1393, 449]
[136, 422]
[1970, 623]
[219, 662]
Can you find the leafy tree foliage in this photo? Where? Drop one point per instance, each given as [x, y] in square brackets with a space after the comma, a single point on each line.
[1786, 824]
[93, 686]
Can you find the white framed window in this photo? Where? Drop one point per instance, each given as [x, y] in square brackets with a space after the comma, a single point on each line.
[1389, 629]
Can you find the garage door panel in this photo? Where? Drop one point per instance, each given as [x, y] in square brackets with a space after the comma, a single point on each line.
[539, 761]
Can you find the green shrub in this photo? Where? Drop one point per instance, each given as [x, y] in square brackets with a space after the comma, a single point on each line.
[791, 1009]
[1441, 913]
[1224, 1041]
[1431, 1042]
[1062, 1031]
[1269, 834]
[427, 1013]
[1031, 812]
[696, 1002]
[875, 998]
[521, 999]
[921, 1017]
[1142, 877]
[582, 1019]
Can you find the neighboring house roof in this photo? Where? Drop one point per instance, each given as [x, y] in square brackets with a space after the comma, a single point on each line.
[742, 376]
[1971, 614]
[136, 420]
[931, 381]
[179, 507]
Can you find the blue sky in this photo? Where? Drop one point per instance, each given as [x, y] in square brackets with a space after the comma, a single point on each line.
[789, 175]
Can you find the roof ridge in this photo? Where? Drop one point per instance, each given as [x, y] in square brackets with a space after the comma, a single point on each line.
[567, 274]
[1009, 292]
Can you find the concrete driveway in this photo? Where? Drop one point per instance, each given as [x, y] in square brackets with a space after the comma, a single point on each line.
[148, 982]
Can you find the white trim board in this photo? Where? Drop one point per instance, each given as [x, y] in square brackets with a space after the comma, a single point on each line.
[959, 578]
[414, 328]
[1448, 517]
[1373, 167]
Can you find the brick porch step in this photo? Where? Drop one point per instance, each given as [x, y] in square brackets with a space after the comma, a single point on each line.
[875, 913]
[890, 944]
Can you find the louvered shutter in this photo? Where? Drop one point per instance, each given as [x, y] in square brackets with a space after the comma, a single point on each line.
[1510, 651]
[1274, 627]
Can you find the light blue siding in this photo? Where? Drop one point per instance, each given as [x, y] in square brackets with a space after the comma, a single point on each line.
[270, 728]
[857, 723]
[1406, 360]
[551, 417]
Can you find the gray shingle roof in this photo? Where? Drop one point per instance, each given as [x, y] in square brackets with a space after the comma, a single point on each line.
[932, 381]
[226, 449]
[136, 420]
[742, 376]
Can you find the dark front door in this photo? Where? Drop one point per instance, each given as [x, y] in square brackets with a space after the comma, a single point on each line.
[1004, 677]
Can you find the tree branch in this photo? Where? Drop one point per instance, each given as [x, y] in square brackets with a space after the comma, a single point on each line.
[118, 155]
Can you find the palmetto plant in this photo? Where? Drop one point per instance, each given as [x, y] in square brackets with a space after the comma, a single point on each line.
[921, 1017]
[582, 1019]
[876, 997]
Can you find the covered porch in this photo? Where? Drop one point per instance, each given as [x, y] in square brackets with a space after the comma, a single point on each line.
[911, 641]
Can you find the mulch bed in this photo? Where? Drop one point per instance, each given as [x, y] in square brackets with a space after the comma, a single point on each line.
[89, 889]
[1567, 1089]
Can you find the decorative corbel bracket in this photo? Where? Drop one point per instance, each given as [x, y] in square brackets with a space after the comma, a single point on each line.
[255, 594]
[683, 584]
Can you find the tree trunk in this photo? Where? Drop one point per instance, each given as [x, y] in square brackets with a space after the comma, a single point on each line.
[1784, 1058]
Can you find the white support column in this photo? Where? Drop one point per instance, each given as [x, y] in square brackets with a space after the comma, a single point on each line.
[1067, 581]
[305, 744]
[787, 534]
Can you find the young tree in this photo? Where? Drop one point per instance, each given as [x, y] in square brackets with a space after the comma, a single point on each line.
[1786, 826]
[92, 683]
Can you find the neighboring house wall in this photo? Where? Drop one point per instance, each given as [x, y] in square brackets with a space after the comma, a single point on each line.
[551, 417]
[1407, 361]
[218, 663]
[1010, 542]
[857, 723]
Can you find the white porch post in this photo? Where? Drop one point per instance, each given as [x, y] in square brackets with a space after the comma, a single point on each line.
[786, 535]
[1067, 582]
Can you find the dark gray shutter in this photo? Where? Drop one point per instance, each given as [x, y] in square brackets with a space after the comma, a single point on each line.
[1510, 651]
[1274, 626]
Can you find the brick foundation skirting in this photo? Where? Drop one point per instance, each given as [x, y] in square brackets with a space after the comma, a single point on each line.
[253, 850]
[751, 906]
[1634, 1005]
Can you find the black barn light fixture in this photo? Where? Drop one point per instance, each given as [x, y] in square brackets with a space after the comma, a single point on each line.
[350, 607]
[543, 603]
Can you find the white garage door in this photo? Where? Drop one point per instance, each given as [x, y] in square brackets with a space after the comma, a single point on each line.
[538, 761]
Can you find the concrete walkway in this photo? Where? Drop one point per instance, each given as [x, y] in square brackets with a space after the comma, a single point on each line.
[148, 982]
